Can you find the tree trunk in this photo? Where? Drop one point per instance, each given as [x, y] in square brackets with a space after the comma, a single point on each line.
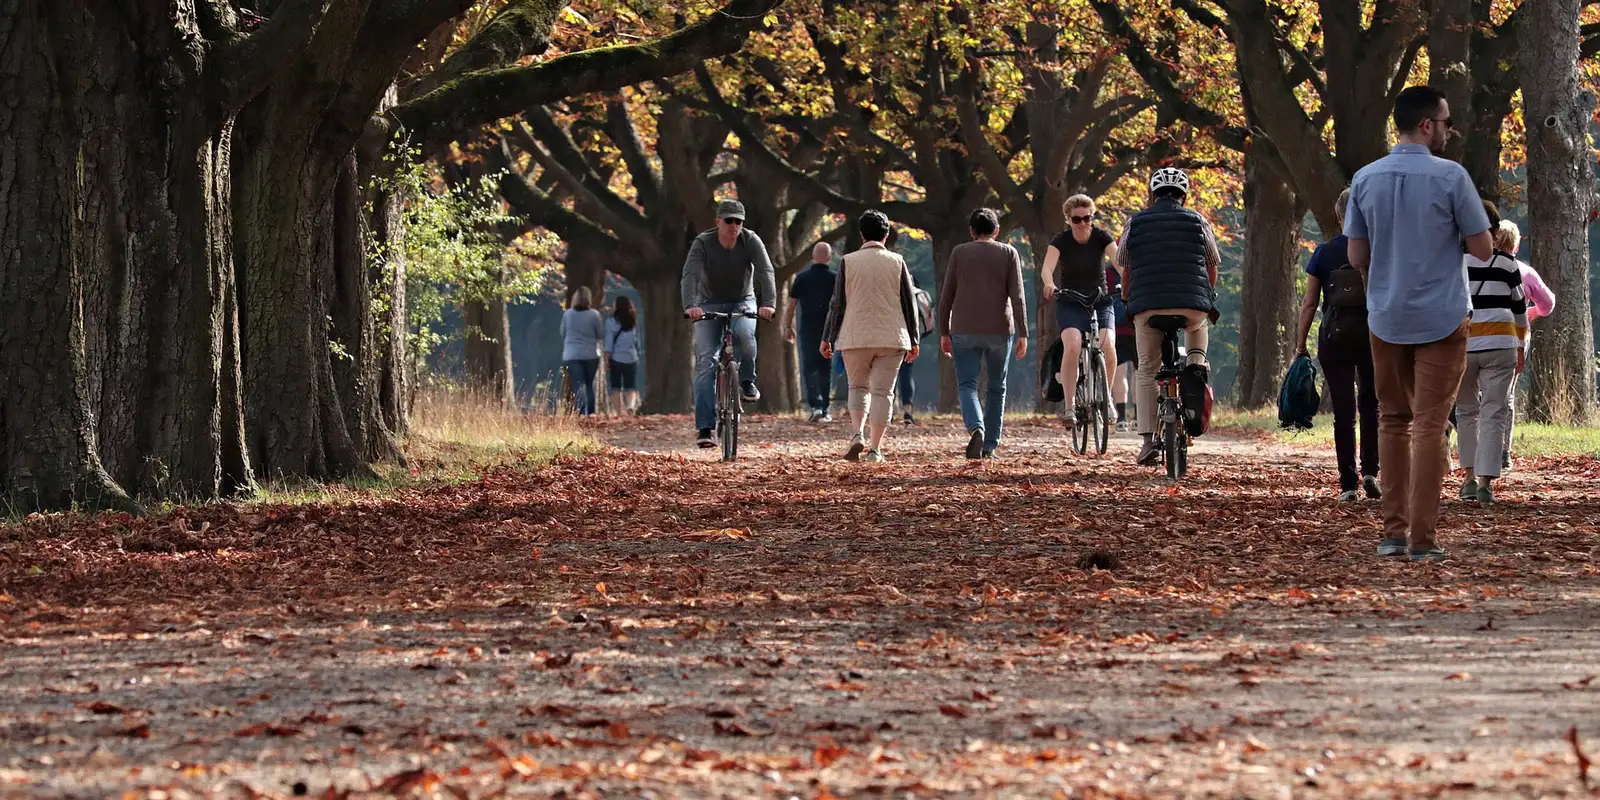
[488, 349]
[389, 278]
[668, 345]
[1267, 307]
[47, 439]
[942, 245]
[1561, 195]
[1449, 66]
[358, 352]
[1045, 332]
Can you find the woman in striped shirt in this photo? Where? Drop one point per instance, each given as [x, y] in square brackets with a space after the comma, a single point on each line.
[1495, 353]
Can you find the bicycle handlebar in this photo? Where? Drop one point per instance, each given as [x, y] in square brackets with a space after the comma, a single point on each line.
[1082, 298]
[724, 315]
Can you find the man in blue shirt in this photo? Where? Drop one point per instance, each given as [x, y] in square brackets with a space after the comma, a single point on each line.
[810, 295]
[1409, 215]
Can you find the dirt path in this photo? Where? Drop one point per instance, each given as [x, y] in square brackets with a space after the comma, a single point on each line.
[659, 624]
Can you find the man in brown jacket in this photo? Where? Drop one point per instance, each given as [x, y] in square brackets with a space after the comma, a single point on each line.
[983, 320]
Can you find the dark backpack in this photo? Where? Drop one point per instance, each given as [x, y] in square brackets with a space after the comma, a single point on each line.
[924, 306]
[1049, 370]
[1344, 320]
[1298, 399]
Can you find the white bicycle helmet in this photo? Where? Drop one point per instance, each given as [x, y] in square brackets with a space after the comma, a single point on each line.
[1169, 177]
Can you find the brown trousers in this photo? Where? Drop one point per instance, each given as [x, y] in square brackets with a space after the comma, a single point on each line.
[1417, 386]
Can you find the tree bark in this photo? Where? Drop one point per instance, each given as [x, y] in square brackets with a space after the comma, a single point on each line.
[1561, 196]
[47, 439]
[488, 349]
[668, 344]
[943, 243]
[1267, 307]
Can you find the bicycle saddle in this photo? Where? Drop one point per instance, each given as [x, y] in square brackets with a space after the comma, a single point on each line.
[1168, 323]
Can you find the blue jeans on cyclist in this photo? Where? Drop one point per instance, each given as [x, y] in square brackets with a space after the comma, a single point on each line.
[972, 352]
[707, 346]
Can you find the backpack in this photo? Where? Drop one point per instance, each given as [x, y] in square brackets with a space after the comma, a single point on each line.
[1049, 372]
[924, 311]
[1298, 399]
[1344, 321]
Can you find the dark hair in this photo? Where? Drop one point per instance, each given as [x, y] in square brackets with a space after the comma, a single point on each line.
[1494, 213]
[984, 222]
[1414, 106]
[624, 314]
[873, 225]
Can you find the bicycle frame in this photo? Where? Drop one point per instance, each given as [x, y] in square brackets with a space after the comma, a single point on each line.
[730, 401]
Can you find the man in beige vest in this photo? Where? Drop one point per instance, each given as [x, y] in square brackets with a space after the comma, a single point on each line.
[872, 322]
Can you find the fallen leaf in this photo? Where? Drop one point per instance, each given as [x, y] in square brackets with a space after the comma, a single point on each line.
[952, 710]
[738, 729]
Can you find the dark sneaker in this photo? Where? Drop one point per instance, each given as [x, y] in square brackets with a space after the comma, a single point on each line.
[1392, 547]
[1369, 483]
[989, 455]
[1149, 452]
[975, 444]
[749, 392]
[1349, 496]
[1505, 461]
[1433, 554]
[1485, 497]
[1469, 489]
[910, 420]
[704, 439]
[856, 447]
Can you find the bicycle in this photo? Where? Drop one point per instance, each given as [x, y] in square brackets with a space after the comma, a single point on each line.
[1091, 405]
[730, 401]
[1171, 436]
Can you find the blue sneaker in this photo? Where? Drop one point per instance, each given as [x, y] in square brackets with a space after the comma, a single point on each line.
[1433, 554]
[1392, 547]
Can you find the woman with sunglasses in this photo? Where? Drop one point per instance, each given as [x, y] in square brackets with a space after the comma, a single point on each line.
[1076, 260]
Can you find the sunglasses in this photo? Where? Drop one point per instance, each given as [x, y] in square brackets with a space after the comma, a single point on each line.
[733, 221]
[1449, 124]
[1087, 219]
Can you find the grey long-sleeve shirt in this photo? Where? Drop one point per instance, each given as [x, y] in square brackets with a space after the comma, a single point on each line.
[716, 274]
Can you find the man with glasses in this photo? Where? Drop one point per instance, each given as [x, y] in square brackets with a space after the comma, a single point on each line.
[1076, 261]
[727, 270]
[1409, 215]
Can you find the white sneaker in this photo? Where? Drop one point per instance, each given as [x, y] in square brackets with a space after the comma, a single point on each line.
[1349, 496]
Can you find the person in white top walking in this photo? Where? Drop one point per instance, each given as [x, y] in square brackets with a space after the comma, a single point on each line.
[622, 357]
[1495, 356]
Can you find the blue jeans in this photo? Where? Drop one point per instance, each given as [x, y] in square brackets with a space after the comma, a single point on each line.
[970, 352]
[581, 372]
[707, 346]
[816, 373]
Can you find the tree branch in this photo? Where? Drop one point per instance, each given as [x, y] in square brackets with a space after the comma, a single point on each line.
[621, 130]
[619, 213]
[541, 209]
[245, 66]
[482, 97]
[519, 29]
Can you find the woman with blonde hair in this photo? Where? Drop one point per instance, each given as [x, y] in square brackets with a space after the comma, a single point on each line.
[582, 330]
[1076, 261]
[1541, 301]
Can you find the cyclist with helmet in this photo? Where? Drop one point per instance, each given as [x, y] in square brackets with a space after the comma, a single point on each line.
[1168, 258]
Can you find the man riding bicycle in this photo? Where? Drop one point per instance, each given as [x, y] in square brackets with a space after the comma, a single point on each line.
[1168, 258]
[727, 269]
[1075, 262]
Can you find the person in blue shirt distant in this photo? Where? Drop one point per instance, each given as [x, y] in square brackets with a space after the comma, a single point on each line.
[812, 290]
[1409, 216]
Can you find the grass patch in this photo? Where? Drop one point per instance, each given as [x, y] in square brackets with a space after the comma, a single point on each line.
[454, 436]
[1530, 439]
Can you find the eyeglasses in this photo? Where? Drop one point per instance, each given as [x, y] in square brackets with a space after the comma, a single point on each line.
[733, 221]
[1083, 220]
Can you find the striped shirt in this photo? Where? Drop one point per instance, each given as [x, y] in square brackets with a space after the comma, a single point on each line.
[1499, 306]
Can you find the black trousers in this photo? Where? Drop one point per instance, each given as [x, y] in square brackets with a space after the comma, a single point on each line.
[1348, 373]
[907, 386]
[816, 374]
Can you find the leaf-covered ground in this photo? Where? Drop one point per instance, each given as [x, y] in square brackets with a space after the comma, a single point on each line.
[649, 622]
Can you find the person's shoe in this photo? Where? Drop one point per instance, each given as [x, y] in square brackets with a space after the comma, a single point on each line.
[975, 444]
[749, 392]
[1392, 547]
[1485, 497]
[910, 420]
[1432, 554]
[1369, 483]
[1070, 420]
[826, 417]
[704, 439]
[1469, 489]
[856, 446]
[1349, 496]
[990, 456]
[816, 416]
[874, 457]
[1122, 426]
[1505, 461]
[1149, 452]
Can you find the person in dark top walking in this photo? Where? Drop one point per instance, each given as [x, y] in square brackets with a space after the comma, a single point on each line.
[808, 299]
[1345, 351]
[906, 384]
[1127, 349]
[727, 270]
[1076, 261]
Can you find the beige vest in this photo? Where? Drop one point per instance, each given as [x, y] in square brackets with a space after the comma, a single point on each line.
[872, 312]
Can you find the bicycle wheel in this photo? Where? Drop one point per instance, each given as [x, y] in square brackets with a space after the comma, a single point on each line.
[1169, 440]
[729, 422]
[1080, 411]
[1102, 407]
[1183, 454]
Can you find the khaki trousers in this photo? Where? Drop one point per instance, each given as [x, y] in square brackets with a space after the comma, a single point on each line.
[1417, 386]
[872, 371]
[1196, 338]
